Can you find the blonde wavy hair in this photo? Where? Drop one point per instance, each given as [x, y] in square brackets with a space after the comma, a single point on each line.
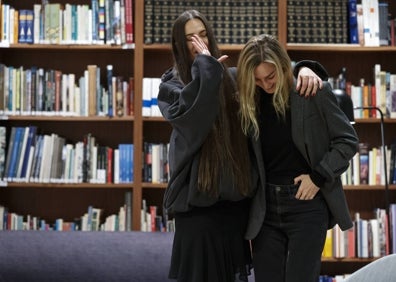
[260, 49]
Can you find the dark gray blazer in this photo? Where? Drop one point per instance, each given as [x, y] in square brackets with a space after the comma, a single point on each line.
[326, 139]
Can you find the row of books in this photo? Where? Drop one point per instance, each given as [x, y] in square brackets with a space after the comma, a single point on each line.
[36, 91]
[379, 91]
[151, 219]
[92, 220]
[104, 22]
[339, 22]
[317, 21]
[367, 166]
[155, 162]
[368, 238]
[48, 158]
[370, 23]
[234, 22]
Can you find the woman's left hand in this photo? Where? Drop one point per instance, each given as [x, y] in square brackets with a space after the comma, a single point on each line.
[308, 83]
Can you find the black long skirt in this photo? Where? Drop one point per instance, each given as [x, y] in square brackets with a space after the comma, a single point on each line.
[209, 244]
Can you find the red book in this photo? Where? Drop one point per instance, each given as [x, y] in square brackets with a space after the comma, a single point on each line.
[351, 252]
[129, 22]
[109, 168]
[130, 97]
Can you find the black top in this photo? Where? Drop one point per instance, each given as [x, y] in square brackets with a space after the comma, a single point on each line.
[283, 161]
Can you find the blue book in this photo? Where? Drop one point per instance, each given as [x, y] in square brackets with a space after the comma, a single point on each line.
[22, 26]
[14, 154]
[9, 152]
[353, 25]
[110, 89]
[95, 20]
[30, 142]
[29, 36]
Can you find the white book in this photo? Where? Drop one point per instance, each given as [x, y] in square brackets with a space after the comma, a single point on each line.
[11, 23]
[121, 219]
[30, 163]
[371, 22]
[1, 216]
[77, 101]
[78, 162]
[46, 159]
[36, 23]
[6, 24]
[116, 161]
[375, 242]
[363, 238]
[71, 87]
[155, 165]
[357, 99]
[146, 110]
[66, 34]
[64, 89]
[356, 169]
[94, 164]
[155, 111]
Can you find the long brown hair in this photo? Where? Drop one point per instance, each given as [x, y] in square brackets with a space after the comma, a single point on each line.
[225, 150]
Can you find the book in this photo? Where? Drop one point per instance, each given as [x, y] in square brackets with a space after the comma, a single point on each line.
[383, 17]
[364, 163]
[129, 31]
[110, 89]
[92, 90]
[101, 22]
[21, 155]
[3, 131]
[392, 226]
[22, 26]
[353, 23]
[95, 20]
[370, 22]
[15, 145]
[29, 27]
[119, 97]
[52, 23]
[128, 211]
[328, 245]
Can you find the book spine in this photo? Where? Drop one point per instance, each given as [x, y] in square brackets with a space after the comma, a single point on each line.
[110, 89]
[129, 32]
[22, 26]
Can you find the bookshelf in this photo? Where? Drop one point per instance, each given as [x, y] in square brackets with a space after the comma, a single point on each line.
[69, 201]
[151, 60]
[359, 62]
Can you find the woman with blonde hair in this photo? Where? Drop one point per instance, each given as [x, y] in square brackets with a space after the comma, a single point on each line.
[304, 147]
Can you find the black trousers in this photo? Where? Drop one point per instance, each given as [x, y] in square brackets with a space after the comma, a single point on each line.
[290, 243]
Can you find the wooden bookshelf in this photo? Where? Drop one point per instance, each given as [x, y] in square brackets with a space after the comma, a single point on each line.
[362, 198]
[69, 201]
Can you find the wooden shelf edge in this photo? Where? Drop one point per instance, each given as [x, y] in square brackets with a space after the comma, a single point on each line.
[29, 185]
[338, 47]
[147, 185]
[70, 46]
[368, 187]
[293, 47]
[348, 260]
[66, 118]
